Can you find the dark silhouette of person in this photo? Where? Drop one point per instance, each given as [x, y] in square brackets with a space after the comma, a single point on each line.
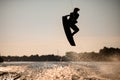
[69, 22]
[73, 20]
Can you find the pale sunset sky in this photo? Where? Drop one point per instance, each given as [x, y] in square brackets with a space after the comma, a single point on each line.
[29, 27]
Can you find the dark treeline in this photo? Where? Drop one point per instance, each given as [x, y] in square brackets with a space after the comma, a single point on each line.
[1, 59]
[105, 54]
[33, 58]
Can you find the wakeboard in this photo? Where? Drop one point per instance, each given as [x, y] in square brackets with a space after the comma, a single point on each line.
[68, 31]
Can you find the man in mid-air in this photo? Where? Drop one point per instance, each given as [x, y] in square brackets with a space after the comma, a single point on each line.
[73, 20]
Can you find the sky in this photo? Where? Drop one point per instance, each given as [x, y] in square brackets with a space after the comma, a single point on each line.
[29, 27]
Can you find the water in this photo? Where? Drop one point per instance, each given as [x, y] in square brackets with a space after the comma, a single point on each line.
[84, 70]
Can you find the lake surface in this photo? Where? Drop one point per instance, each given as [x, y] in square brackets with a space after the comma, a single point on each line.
[107, 70]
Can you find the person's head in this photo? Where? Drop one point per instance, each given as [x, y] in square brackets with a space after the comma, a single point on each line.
[76, 9]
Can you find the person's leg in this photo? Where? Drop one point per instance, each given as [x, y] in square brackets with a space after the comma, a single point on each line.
[75, 29]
